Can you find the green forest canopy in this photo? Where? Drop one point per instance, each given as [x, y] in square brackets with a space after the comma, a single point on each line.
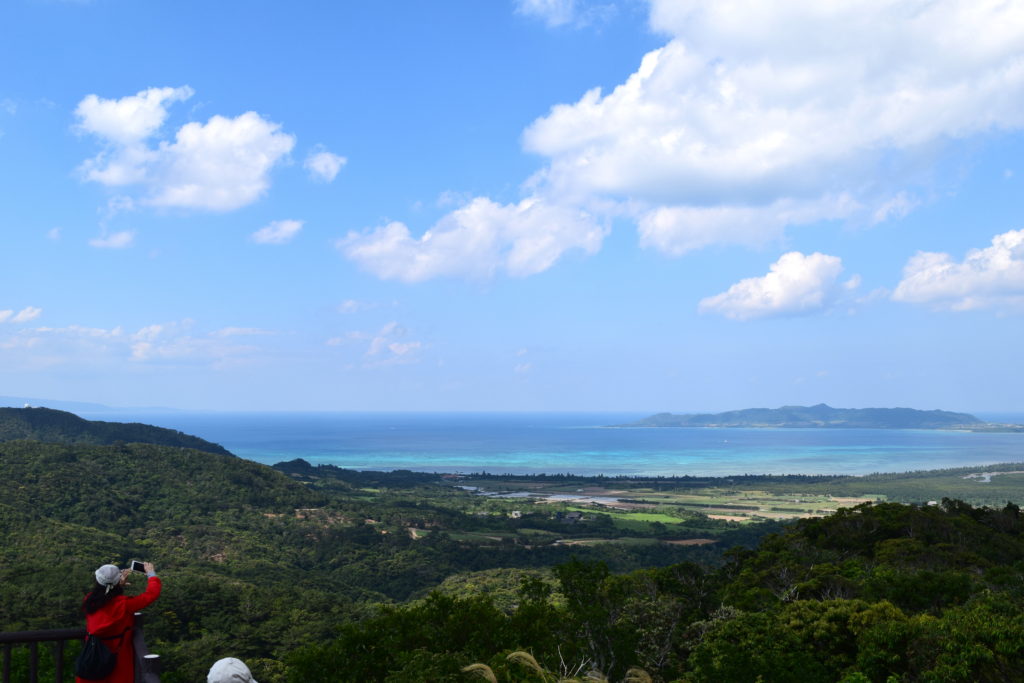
[322, 574]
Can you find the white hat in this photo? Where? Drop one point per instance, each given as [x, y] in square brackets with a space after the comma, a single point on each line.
[229, 670]
[108, 575]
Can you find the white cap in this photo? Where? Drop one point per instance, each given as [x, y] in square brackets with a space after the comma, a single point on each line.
[108, 575]
[229, 670]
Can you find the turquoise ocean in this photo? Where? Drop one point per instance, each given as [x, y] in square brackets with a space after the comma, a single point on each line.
[579, 443]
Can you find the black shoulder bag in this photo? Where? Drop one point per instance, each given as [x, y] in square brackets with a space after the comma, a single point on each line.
[97, 661]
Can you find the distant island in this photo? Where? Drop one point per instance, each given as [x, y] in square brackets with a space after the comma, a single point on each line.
[821, 415]
[58, 426]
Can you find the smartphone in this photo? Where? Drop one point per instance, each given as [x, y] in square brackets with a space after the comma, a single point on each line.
[138, 566]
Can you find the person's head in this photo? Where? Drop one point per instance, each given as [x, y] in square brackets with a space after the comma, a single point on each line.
[109, 583]
[229, 670]
[109, 577]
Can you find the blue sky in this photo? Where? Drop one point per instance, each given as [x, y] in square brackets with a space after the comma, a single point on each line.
[513, 204]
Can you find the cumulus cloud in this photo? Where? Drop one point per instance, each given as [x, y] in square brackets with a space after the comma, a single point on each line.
[324, 166]
[115, 240]
[221, 165]
[130, 119]
[796, 284]
[755, 105]
[277, 232]
[992, 277]
[24, 315]
[476, 241]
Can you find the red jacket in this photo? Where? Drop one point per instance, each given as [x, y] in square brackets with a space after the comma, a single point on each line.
[114, 618]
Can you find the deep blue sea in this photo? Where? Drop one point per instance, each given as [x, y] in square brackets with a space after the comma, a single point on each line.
[579, 443]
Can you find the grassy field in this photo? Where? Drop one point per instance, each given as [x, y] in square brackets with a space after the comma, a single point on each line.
[635, 502]
[537, 511]
[636, 508]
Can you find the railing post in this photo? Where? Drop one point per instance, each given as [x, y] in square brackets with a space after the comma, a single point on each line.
[33, 662]
[58, 661]
[7, 662]
[147, 665]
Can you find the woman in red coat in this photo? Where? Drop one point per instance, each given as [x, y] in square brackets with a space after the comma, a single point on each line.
[111, 615]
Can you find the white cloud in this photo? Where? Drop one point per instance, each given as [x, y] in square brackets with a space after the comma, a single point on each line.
[82, 332]
[22, 316]
[992, 277]
[556, 13]
[162, 343]
[676, 230]
[26, 314]
[115, 240]
[277, 232]
[897, 207]
[118, 204]
[552, 12]
[403, 348]
[476, 241]
[354, 306]
[796, 284]
[221, 165]
[239, 332]
[174, 342]
[324, 166]
[42, 347]
[756, 104]
[384, 338]
[387, 346]
[450, 198]
[130, 119]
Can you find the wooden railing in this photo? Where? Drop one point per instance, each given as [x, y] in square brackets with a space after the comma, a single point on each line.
[147, 666]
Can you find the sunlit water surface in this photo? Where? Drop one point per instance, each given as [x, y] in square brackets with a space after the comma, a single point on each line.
[579, 443]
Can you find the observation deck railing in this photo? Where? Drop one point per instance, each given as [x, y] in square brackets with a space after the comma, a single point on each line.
[147, 666]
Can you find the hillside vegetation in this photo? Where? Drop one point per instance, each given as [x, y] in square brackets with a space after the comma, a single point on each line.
[58, 426]
[256, 563]
[883, 593]
[323, 574]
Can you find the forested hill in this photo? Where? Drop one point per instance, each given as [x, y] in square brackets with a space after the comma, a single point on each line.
[58, 426]
[258, 563]
[822, 415]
